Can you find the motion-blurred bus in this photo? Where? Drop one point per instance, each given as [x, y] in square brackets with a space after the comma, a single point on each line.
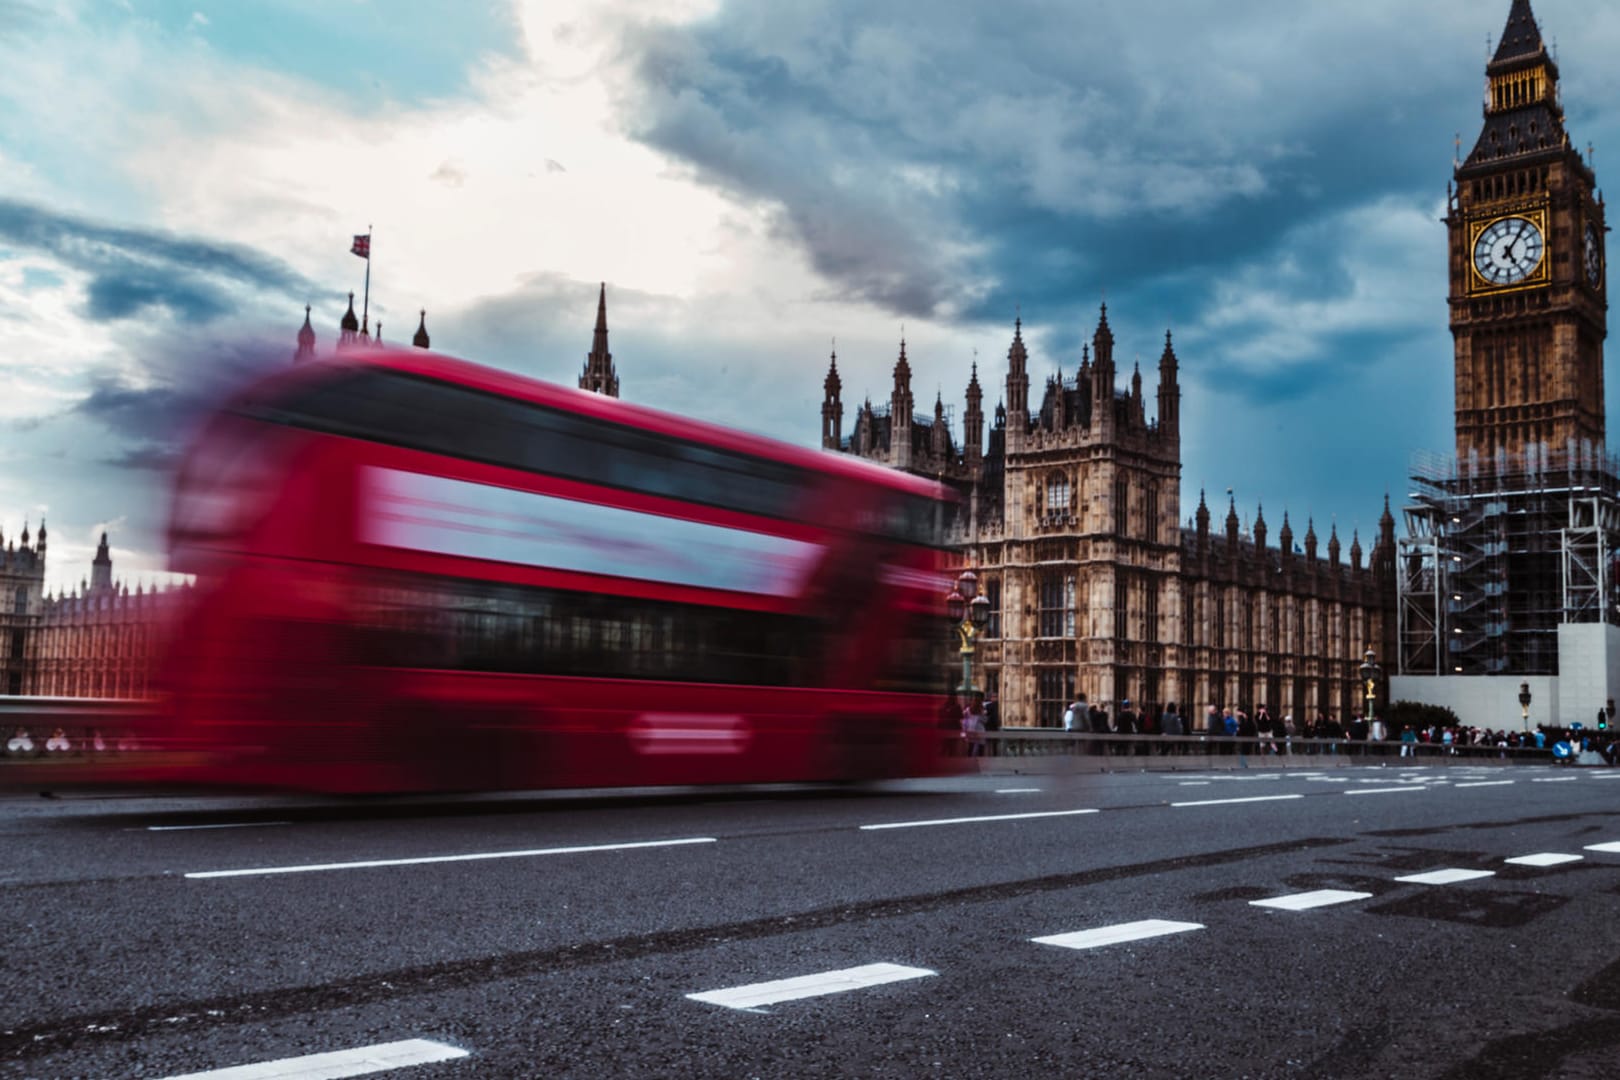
[415, 573]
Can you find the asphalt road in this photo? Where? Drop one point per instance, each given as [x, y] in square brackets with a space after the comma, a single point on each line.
[565, 935]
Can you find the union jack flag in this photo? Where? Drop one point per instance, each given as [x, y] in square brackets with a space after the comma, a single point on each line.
[362, 247]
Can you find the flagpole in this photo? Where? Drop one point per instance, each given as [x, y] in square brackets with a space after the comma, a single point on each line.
[365, 304]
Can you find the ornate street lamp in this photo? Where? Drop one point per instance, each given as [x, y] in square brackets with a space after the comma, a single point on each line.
[1370, 673]
[970, 612]
[1524, 702]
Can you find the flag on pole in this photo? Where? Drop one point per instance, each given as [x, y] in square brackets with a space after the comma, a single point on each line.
[362, 247]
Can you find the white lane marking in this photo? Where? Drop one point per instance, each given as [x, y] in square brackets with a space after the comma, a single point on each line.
[1384, 790]
[1195, 783]
[974, 820]
[1225, 802]
[338, 1063]
[1016, 790]
[231, 825]
[806, 986]
[1115, 935]
[1485, 783]
[1546, 858]
[1447, 877]
[1605, 775]
[1615, 848]
[1554, 779]
[475, 857]
[1306, 900]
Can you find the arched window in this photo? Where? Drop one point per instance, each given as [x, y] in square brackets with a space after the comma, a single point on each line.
[1057, 494]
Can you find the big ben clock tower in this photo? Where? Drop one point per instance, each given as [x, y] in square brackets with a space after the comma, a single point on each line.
[1528, 273]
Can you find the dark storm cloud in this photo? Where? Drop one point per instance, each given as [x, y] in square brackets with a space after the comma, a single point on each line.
[954, 160]
[135, 270]
[179, 383]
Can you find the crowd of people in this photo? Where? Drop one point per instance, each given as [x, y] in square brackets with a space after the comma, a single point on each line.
[1262, 732]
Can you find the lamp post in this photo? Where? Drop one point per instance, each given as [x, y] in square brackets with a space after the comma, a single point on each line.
[1370, 672]
[1524, 703]
[969, 613]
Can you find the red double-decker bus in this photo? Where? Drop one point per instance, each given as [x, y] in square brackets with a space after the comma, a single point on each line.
[415, 573]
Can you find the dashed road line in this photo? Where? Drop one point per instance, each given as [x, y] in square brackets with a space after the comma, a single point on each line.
[975, 820]
[338, 1063]
[1228, 802]
[1485, 783]
[473, 857]
[806, 986]
[1611, 848]
[1385, 790]
[1115, 935]
[1547, 858]
[1017, 790]
[1447, 877]
[227, 825]
[1554, 779]
[1307, 900]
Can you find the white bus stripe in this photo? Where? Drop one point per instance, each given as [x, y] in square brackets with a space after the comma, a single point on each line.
[1115, 935]
[339, 1063]
[475, 857]
[807, 986]
[1227, 802]
[975, 820]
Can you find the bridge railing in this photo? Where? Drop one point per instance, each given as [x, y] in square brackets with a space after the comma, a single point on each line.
[1274, 752]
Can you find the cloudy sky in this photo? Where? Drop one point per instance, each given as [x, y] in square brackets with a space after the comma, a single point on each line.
[751, 180]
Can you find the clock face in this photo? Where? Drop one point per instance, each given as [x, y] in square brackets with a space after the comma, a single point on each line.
[1594, 256]
[1508, 251]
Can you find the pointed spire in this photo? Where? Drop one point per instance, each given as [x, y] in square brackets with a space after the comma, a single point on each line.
[421, 339]
[1310, 539]
[599, 375]
[351, 321]
[306, 340]
[1333, 545]
[24, 537]
[1259, 527]
[1355, 550]
[1521, 38]
[1102, 343]
[1231, 518]
[1202, 516]
[1285, 537]
[833, 385]
[599, 338]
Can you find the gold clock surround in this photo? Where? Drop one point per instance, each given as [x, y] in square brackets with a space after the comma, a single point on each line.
[1540, 276]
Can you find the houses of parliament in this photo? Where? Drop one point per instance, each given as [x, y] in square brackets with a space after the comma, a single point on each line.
[1069, 511]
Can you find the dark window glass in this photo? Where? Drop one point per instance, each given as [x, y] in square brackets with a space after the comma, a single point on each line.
[465, 625]
[441, 418]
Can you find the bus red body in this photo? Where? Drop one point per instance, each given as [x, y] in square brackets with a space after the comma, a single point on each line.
[415, 573]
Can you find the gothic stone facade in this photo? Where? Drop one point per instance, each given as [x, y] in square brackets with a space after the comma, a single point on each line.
[1070, 515]
[99, 641]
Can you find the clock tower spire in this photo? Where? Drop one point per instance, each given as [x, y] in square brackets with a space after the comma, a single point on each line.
[1528, 295]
